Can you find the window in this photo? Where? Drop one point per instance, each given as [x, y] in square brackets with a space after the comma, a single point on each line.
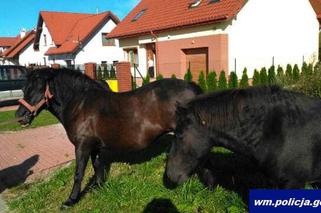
[195, 4]
[106, 41]
[138, 15]
[213, 1]
[45, 39]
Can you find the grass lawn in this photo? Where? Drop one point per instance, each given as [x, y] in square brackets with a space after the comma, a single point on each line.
[43, 119]
[136, 188]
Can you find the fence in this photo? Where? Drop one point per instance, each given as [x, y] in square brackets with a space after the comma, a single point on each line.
[106, 72]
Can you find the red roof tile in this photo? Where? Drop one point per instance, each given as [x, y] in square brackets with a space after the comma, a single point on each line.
[162, 15]
[316, 4]
[8, 41]
[68, 30]
[20, 45]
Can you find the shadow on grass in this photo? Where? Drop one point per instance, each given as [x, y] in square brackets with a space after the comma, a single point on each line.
[234, 172]
[160, 205]
[156, 148]
[15, 175]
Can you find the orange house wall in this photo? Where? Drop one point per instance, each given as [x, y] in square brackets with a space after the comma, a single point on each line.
[172, 59]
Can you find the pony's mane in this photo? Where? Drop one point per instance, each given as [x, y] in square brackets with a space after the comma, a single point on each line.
[72, 78]
[225, 107]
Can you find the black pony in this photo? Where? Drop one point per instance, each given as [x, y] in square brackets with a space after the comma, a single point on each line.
[99, 122]
[279, 129]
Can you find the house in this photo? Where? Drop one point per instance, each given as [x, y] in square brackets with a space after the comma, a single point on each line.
[229, 35]
[6, 43]
[70, 39]
[16, 54]
[316, 4]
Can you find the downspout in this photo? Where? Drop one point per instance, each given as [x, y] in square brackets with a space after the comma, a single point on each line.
[156, 48]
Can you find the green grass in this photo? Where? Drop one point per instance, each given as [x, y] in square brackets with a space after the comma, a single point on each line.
[43, 119]
[129, 188]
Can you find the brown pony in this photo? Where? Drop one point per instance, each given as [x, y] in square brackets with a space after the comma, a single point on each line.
[101, 123]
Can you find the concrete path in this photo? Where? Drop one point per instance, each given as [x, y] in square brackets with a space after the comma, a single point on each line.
[28, 154]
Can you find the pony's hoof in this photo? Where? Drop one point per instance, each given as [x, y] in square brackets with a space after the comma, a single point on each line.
[67, 204]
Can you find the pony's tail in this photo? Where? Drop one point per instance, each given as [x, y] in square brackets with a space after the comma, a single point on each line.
[197, 89]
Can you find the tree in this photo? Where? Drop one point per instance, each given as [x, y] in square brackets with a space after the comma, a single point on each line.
[211, 81]
[280, 75]
[202, 81]
[304, 69]
[99, 74]
[271, 75]
[263, 76]
[289, 74]
[233, 81]
[296, 73]
[188, 75]
[222, 84]
[112, 73]
[105, 74]
[244, 83]
[159, 77]
[256, 78]
[173, 76]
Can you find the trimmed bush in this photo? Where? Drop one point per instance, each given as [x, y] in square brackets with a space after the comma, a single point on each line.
[112, 73]
[289, 74]
[99, 74]
[256, 78]
[244, 83]
[233, 81]
[296, 73]
[263, 77]
[202, 81]
[211, 81]
[304, 69]
[271, 75]
[222, 83]
[188, 75]
[173, 76]
[146, 80]
[280, 78]
[159, 77]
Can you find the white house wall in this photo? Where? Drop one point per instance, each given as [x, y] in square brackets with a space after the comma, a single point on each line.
[286, 30]
[93, 51]
[29, 56]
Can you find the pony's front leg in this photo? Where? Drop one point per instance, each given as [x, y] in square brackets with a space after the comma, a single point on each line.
[82, 156]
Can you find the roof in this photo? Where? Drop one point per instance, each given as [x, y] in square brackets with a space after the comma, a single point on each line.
[20, 45]
[8, 41]
[161, 15]
[316, 4]
[69, 30]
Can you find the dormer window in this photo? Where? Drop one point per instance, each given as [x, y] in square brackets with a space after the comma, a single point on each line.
[213, 1]
[138, 15]
[195, 4]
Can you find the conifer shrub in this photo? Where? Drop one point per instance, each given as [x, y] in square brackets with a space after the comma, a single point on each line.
[233, 81]
[263, 76]
[211, 81]
[256, 78]
[271, 75]
[222, 83]
[244, 83]
[202, 81]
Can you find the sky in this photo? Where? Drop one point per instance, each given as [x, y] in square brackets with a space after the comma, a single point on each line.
[18, 14]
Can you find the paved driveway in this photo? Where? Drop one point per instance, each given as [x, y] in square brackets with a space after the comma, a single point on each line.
[26, 154]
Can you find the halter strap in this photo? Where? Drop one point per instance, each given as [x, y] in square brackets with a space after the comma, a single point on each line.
[34, 108]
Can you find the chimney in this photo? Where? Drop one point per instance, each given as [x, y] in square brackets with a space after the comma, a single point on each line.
[23, 32]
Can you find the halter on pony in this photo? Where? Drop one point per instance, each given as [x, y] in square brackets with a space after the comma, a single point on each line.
[34, 108]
